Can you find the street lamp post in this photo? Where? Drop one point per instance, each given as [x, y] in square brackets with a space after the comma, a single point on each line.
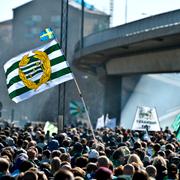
[126, 9]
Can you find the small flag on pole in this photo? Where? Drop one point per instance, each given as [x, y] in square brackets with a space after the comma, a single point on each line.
[176, 123]
[76, 108]
[178, 135]
[47, 34]
[35, 71]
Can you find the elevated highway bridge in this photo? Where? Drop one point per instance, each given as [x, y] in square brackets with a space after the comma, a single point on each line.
[150, 45]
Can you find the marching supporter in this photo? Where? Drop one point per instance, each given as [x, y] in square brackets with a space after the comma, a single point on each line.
[135, 158]
[93, 155]
[140, 175]
[77, 152]
[90, 170]
[63, 174]
[172, 172]
[103, 172]
[46, 156]
[55, 164]
[161, 165]
[103, 161]
[112, 156]
[128, 170]
[4, 167]
[152, 172]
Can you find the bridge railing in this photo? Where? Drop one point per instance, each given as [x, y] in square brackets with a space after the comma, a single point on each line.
[144, 25]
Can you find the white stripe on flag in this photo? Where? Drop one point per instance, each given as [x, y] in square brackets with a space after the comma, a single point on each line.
[51, 56]
[19, 57]
[43, 87]
[54, 69]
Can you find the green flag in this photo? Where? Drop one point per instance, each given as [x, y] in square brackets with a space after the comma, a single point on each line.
[50, 127]
[176, 123]
[76, 108]
[178, 135]
[35, 71]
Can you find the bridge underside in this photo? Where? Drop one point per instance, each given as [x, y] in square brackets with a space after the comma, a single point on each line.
[151, 55]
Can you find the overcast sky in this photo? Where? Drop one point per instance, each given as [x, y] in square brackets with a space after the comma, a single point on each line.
[136, 9]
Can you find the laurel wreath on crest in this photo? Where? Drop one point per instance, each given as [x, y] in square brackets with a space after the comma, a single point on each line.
[46, 67]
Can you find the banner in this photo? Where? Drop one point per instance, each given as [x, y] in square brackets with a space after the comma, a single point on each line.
[110, 123]
[146, 118]
[50, 127]
[100, 122]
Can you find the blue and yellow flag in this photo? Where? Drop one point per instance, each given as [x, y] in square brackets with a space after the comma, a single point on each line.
[47, 34]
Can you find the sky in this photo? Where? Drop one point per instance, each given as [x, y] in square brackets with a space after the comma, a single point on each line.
[135, 9]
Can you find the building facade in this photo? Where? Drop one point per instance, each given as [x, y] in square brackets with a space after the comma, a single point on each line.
[29, 20]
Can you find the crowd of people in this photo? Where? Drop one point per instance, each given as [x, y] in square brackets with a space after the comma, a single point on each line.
[75, 154]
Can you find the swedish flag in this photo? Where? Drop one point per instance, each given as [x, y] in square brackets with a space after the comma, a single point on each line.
[47, 34]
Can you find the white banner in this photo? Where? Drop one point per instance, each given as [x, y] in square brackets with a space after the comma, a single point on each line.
[100, 122]
[146, 118]
[110, 123]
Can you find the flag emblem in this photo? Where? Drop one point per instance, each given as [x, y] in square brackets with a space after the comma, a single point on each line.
[47, 34]
[35, 71]
[43, 65]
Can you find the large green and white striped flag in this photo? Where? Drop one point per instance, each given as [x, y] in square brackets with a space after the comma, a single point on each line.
[35, 71]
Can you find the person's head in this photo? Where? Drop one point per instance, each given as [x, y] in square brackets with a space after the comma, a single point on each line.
[103, 161]
[55, 164]
[66, 165]
[160, 163]
[141, 153]
[81, 162]
[91, 167]
[63, 174]
[32, 144]
[42, 138]
[172, 171]
[4, 166]
[8, 153]
[103, 172]
[170, 146]
[156, 147]
[29, 175]
[55, 153]
[78, 178]
[118, 170]
[93, 155]
[77, 171]
[137, 144]
[46, 154]
[128, 169]
[31, 153]
[25, 165]
[78, 147]
[140, 175]
[135, 158]
[119, 154]
[65, 157]
[151, 170]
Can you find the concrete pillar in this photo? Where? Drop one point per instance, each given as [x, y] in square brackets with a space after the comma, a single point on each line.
[112, 104]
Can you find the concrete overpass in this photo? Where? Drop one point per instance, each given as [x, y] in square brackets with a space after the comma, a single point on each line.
[150, 45]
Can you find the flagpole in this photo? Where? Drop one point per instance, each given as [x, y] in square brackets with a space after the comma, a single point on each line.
[65, 53]
[85, 107]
